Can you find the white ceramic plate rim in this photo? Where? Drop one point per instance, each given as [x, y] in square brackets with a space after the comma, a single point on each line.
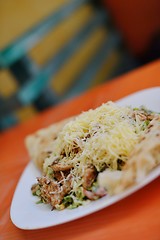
[25, 214]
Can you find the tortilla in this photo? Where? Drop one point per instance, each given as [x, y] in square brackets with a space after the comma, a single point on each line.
[143, 159]
[39, 144]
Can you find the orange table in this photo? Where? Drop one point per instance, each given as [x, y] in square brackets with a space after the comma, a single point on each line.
[136, 217]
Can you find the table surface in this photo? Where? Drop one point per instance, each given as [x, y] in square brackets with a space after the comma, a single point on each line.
[135, 217]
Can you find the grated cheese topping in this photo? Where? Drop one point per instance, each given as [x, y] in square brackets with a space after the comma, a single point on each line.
[101, 137]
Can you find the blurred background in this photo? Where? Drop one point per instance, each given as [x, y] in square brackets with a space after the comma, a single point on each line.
[51, 51]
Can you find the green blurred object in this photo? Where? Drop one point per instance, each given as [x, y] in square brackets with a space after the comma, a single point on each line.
[95, 48]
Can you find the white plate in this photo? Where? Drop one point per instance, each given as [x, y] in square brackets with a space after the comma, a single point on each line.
[26, 214]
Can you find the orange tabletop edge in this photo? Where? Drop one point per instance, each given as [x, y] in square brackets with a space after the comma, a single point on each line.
[136, 217]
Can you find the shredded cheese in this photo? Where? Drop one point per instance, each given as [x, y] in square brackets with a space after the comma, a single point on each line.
[99, 137]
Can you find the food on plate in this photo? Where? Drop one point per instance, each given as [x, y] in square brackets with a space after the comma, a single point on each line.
[144, 157]
[99, 152]
[39, 144]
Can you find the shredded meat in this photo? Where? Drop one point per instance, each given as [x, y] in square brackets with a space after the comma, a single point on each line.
[52, 191]
[60, 175]
[89, 176]
[100, 192]
[143, 115]
[60, 170]
[57, 167]
[76, 150]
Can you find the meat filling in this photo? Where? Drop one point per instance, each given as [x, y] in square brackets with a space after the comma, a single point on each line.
[89, 177]
[51, 191]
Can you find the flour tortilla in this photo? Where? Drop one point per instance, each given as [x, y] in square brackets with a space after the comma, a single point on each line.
[39, 144]
[143, 159]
